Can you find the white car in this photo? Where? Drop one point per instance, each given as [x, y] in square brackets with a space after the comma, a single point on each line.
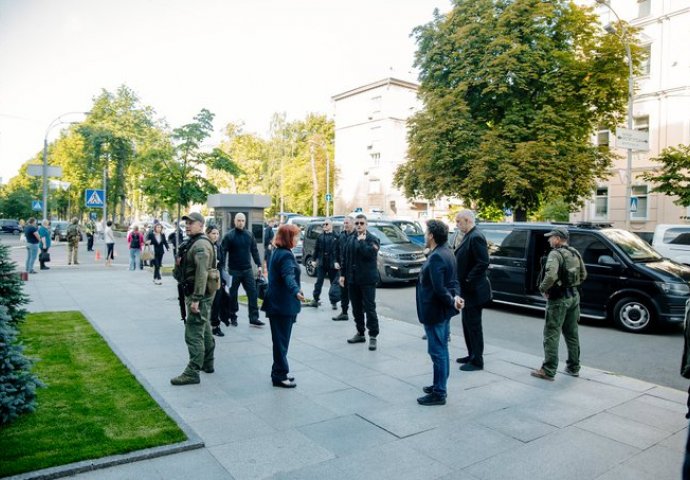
[673, 241]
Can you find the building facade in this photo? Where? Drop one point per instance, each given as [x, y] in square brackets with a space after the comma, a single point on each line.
[661, 107]
[370, 143]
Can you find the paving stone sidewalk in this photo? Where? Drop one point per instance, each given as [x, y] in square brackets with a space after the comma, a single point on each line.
[354, 413]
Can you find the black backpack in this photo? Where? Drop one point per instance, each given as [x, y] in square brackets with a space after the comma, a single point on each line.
[136, 240]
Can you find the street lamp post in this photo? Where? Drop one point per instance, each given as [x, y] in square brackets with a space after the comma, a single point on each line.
[626, 42]
[57, 121]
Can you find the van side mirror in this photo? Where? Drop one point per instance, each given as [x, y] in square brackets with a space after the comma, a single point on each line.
[608, 261]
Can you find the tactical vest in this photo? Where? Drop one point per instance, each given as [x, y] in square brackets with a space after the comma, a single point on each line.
[569, 272]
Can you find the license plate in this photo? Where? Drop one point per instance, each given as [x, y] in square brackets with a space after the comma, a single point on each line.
[415, 270]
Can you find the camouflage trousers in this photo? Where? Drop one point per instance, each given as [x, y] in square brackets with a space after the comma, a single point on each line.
[562, 315]
[197, 335]
[72, 252]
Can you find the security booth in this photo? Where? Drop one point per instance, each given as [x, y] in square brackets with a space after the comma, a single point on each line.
[225, 206]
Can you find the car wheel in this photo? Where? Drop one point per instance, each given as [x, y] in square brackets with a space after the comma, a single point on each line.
[633, 315]
[310, 267]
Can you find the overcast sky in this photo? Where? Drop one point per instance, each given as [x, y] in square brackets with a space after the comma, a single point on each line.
[241, 59]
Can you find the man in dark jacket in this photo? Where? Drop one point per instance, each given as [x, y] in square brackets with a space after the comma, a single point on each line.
[239, 249]
[361, 276]
[346, 235]
[268, 240]
[438, 299]
[473, 261]
[324, 261]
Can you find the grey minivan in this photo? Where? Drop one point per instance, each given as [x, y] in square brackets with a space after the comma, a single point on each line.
[399, 260]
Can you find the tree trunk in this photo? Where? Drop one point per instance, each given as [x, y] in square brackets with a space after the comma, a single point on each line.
[314, 181]
[519, 215]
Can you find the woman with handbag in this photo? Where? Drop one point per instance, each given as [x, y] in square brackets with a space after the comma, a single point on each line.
[283, 301]
[157, 240]
[44, 233]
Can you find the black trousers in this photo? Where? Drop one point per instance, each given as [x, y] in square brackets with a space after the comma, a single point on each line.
[110, 255]
[363, 298]
[41, 262]
[246, 278]
[344, 298]
[281, 329]
[157, 262]
[474, 335]
[220, 310]
[321, 273]
[89, 242]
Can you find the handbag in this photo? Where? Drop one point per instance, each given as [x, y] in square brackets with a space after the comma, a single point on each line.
[147, 254]
[261, 287]
[44, 257]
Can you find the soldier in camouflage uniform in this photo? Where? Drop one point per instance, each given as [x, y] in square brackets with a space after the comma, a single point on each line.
[73, 237]
[195, 257]
[563, 272]
[90, 229]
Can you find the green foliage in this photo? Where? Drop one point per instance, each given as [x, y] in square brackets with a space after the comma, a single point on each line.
[512, 91]
[12, 296]
[672, 178]
[92, 406]
[490, 213]
[556, 210]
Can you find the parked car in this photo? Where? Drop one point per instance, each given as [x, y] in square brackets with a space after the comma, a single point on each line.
[412, 228]
[60, 231]
[399, 260]
[627, 280]
[673, 241]
[10, 226]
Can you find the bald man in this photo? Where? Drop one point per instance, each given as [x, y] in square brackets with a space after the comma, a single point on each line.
[239, 248]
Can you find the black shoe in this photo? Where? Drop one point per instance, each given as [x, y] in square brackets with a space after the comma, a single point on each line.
[45, 268]
[357, 338]
[463, 359]
[225, 321]
[284, 384]
[233, 322]
[313, 303]
[217, 332]
[471, 367]
[341, 317]
[429, 389]
[256, 323]
[431, 399]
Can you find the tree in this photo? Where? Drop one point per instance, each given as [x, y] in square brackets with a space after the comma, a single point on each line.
[512, 91]
[673, 178]
[178, 168]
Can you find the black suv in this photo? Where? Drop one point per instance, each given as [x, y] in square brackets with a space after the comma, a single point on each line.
[399, 260]
[627, 280]
[10, 226]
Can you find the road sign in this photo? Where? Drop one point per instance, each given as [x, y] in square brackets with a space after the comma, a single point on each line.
[633, 204]
[329, 197]
[36, 170]
[94, 198]
[633, 139]
[36, 205]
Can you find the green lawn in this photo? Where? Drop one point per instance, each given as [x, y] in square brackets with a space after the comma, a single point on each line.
[92, 405]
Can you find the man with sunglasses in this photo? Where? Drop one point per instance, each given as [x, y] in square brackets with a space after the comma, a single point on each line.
[324, 261]
[361, 276]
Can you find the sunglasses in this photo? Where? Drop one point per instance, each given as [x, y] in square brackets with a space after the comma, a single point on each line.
[360, 223]
[326, 224]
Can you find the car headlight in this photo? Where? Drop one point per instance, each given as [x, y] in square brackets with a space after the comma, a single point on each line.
[387, 254]
[673, 288]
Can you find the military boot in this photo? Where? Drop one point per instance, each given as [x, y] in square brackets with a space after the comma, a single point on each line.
[185, 380]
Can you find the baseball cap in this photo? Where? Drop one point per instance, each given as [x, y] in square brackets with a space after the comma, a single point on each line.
[194, 217]
[560, 232]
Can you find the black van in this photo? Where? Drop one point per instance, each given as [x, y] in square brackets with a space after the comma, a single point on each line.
[627, 280]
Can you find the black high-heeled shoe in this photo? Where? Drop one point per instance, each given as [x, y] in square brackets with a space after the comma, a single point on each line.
[284, 383]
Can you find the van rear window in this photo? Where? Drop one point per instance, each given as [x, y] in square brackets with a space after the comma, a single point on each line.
[677, 236]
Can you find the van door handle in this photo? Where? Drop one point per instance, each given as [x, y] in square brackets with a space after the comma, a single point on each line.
[517, 264]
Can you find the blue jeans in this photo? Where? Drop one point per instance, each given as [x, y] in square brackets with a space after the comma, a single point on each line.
[31, 255]
[134, 255]
[437, 343]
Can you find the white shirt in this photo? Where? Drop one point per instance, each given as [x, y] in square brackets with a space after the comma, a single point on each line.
[109, 238]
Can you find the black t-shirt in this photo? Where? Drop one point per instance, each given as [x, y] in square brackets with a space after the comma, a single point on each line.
[29, 231]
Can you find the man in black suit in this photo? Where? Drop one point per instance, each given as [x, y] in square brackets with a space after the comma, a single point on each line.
[438, 299]
[473, 261]
[361, 275]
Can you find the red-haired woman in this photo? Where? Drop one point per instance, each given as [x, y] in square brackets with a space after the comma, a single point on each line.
[283, 301]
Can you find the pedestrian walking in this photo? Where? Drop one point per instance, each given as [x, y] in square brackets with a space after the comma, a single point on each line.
[239, 249]
[175, 238]
[90, 230]
[45, 243]
[196, 271]
[73, 238]
[438, 300]
[220, 310]
[33, 240]
[135, 240]
[561, 275]
[268, 241]
[324, 261]
[344, 238]
[361, 277]
[283, 301]
[109, 243]
[157, 241]
[472, 258]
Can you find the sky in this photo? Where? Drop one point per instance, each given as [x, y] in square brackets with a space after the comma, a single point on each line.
[241, 59]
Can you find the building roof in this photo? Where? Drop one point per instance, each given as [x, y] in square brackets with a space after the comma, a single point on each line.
[371, 86]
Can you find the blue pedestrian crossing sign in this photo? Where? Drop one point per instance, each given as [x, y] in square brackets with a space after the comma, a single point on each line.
[94, 198]
[36, 205]
[633, 204]
[329, 197]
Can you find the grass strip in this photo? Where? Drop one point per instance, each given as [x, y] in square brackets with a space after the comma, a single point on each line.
[92, 405]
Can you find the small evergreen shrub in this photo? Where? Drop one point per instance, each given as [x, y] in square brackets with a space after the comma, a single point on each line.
[11, 294]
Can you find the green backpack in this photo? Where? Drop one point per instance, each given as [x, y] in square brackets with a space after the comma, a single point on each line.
[569, 273]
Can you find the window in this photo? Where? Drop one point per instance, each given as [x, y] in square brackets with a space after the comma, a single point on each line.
[644, 8]
[601, 203]
[639, 192]
[603, 138]
[677, 236]
[375, 159]
[641, 123]
[590, 247]
[645, 66]
[374, 186]
[506, 243]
